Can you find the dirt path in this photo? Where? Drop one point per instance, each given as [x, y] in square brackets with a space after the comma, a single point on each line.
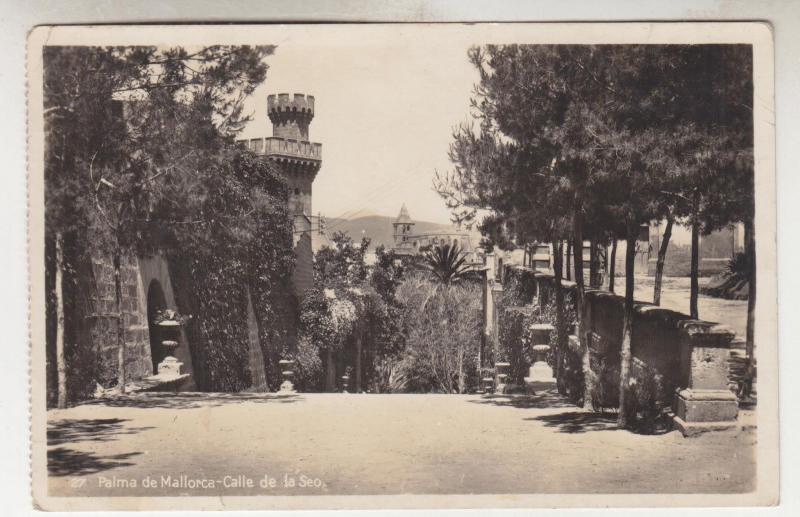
[371, 444]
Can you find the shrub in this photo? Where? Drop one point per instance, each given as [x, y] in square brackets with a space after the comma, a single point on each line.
[308, 366]
[604, 382]
[442, 328]
[644, 401]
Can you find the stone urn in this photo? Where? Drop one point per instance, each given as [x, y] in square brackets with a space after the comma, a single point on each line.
[540, 374]
[487, 385]
[502, 369]
[287, 372]
[169, 331]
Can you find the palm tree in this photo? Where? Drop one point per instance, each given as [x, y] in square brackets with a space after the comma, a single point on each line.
[446, 262]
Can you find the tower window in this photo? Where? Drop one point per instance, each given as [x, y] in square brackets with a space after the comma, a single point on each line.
[296, 191]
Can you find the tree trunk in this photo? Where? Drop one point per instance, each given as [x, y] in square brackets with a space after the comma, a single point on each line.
[561, 330]
[662, 255]
[750, 250]
[694, 288]
[357, 383]
[577, 252]
[612, 265]
[120, 320]
[627, 325]
[569, 259]
[330, 373]
[61, 364]
[461, 371]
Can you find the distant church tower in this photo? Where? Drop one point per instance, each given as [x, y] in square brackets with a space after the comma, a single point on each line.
[403, 226]
[300, 160]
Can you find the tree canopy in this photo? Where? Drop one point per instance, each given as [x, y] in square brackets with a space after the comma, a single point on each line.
[140, 158]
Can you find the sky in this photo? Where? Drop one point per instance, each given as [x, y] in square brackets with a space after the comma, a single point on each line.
[384, 114]
[386, 103]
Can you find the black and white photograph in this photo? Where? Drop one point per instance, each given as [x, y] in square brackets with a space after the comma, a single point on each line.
[402, 266]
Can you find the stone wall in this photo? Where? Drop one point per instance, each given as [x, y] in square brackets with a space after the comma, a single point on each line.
[90, 324]
[683, 361]
[134, 317]
[303, 274]
[90, 321]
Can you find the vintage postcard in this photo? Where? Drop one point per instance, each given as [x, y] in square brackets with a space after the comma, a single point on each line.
[402, 266]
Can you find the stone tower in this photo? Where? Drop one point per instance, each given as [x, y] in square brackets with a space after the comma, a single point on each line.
[403, 226]
[299, 160]
[289, 145]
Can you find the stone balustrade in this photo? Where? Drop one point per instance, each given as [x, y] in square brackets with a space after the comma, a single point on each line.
[276, 146]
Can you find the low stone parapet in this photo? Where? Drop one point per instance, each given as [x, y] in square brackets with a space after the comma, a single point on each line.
[684, 362]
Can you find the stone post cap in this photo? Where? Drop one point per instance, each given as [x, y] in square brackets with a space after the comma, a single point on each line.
[706, 394]
[542, 328]
[706, 334]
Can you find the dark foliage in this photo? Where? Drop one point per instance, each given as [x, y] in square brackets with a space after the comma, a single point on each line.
[447, 263]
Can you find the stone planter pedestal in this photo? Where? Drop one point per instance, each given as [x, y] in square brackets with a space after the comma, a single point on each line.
[487, 385]
[168, 375]
[540, 374]
[287, 372]
[502, 369]
[704, 402]
[170, 366]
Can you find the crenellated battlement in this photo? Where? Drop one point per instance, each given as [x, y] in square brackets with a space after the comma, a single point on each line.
[283, 105]
[290, 116]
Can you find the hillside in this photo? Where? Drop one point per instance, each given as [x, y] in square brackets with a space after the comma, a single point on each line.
[379, 228]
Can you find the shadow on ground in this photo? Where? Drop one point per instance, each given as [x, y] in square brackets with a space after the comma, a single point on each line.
[62, 461]
[88, 430]
[67, 462]
[541, 400]
[579, 421]
[191, 400]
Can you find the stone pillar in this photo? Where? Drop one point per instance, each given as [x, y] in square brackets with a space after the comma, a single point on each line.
[654, 233]
[496, 292]
[488, 308]
[704, 403]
